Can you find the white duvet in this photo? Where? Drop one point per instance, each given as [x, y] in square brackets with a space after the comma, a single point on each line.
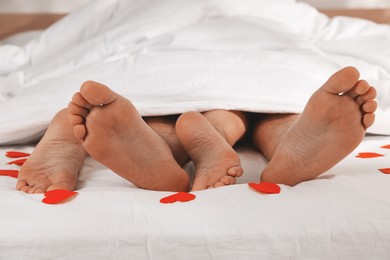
[176, 55]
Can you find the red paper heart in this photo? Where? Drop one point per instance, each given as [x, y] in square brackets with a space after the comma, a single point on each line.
[19, 162]
[368, 155]
[15, 154]
[180, 196]
[57, 196]
[386, 146]
[265, 187]
[10, 173]
[385, 170]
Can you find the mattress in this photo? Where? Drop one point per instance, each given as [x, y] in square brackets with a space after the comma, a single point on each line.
[343, 214]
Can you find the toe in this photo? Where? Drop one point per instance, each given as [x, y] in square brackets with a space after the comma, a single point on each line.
[219, 184]
[31, 190]
[76, 120]
[370, 106]
[80, 101]
[75, 109]
[360, 88]
[20, 184]
[198, 186]
[235, 171]
[369, 95]
[97, 94]
[77, 116]
[80, 131]
[25, 188]
[228, 180]
[39, 190]
[368, 120]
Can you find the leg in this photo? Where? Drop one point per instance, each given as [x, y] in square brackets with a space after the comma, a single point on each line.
[208, 139]
[113, 133]
[56, 160]
[269, 129]
[164, 126]
[232, 131]
[333, 123]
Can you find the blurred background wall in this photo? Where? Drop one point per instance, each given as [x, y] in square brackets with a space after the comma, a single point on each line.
[26, 15]
[352, 4]
[63, 6]
[40, 6]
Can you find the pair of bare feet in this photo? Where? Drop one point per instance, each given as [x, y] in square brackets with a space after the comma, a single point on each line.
[108, 127]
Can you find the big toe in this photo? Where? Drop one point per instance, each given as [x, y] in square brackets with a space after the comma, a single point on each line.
[97, 94]
[342, 81]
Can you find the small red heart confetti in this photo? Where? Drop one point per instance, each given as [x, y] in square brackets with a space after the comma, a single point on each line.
[386, 146]
[10, 173]
[180, 196]
[265, 187]
[385, 170]
[15, 154]
[368, 155]
[19, 162]
[57, 196]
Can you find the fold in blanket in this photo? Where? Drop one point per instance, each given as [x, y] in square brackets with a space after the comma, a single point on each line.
[172, 56]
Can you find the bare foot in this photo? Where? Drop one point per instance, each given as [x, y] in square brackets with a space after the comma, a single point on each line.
[164, 126]
[216, 163]
[331, 126]
[55, 162]
[113, 133]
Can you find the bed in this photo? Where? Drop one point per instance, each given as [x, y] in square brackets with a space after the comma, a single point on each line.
[342, 214]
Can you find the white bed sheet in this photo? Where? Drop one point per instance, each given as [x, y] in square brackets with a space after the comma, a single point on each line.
[343, 214]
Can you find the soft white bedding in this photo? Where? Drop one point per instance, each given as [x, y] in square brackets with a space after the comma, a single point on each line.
[344, 214]
[176, 55]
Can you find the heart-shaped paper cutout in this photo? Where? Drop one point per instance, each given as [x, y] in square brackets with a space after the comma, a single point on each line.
[180, 196]
[10, 173]
[386, 146]
[57, 196]
[15, 154]
[368, 155]
[19, 162]
[385, 170]
[265, 187]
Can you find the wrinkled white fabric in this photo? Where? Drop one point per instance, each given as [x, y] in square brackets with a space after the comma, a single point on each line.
[343, 214]
[177, 55]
